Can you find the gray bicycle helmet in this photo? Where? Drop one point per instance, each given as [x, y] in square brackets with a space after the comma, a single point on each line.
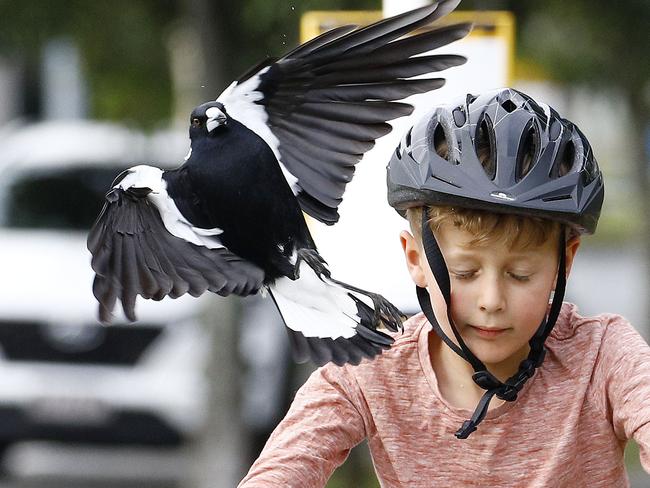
[502, 152]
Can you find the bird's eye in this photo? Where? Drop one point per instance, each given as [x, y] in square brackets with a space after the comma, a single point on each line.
[196, 122]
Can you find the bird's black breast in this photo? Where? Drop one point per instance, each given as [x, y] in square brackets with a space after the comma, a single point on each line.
[233, 181]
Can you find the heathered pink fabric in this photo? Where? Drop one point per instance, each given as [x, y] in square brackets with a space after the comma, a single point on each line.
[567, 429]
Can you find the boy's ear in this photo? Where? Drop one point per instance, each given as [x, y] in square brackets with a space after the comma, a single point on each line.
[413, 255]
[571, 249]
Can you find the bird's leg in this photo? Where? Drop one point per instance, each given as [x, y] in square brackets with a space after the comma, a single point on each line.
[384, 311]
[314, 260]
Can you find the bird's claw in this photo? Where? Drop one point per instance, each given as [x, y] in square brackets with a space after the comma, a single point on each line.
[313, 260]
[383, 310]
[386, 312]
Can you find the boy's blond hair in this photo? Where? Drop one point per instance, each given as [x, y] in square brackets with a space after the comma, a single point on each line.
[515, 231]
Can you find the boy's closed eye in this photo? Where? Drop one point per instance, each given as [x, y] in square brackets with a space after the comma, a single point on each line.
[466, 274]
[463, 274]
[520, 276]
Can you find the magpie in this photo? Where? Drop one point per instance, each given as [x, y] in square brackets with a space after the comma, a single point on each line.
[281, 140]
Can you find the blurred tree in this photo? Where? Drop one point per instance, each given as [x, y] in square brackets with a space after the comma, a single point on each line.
[122, 45]
[238, 35]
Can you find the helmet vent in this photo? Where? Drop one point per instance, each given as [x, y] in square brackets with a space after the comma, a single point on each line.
[565, 162]
[459, 116]
[557, 198]
[554, 130]
[440, 143]
[485, 147]
[527, 153]
[508, 106]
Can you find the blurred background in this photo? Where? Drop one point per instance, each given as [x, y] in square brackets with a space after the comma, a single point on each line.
[187, 396]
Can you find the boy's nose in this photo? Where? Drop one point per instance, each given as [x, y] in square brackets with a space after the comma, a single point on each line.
[491, 298]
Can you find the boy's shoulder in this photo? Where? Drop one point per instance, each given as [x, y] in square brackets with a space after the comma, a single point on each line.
[580, 340]
[403, 353]
[571, 325]
[411, 331]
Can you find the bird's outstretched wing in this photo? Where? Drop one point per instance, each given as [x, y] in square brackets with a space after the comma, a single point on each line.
[134, 254]
[323, 105]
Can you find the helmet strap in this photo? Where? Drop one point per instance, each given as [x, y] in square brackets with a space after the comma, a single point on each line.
[509, 389]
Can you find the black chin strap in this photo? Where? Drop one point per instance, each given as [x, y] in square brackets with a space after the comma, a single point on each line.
[509, 389]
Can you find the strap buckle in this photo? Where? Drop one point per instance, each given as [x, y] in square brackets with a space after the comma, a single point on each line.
[467, 428]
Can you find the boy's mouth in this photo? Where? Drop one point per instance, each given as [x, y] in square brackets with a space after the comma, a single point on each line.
[487, 332]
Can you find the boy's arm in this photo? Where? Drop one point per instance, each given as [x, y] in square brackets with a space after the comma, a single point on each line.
[314, 438]
[625, 357]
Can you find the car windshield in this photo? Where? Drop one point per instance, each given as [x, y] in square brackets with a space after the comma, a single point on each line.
[69, 198]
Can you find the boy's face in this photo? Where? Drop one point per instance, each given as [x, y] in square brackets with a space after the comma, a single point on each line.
[499, 295]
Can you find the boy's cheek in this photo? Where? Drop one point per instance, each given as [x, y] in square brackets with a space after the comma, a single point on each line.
[438, 301]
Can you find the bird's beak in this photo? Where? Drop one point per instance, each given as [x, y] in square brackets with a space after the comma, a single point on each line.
[216, 118]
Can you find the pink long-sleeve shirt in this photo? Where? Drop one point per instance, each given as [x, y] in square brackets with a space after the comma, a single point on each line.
[568, 428]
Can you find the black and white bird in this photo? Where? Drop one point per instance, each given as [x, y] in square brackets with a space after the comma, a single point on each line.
[281, 140]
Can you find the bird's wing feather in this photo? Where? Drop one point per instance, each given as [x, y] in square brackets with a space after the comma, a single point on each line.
[323, 105]
[133, 254]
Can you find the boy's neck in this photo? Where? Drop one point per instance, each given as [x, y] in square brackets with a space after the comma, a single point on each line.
[454, 374]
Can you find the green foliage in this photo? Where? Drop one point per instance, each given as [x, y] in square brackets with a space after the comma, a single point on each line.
[259, 29]
[127, 60]
[122, 45]
[590, 41]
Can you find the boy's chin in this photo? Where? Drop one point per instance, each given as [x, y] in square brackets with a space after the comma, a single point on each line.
[499, 356]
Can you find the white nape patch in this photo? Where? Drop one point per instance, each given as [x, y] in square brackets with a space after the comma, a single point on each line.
[239, 100]
[175, 223]
[315, 307]
[189, 153]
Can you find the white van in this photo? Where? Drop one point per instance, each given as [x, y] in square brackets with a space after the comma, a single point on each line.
[63, 375]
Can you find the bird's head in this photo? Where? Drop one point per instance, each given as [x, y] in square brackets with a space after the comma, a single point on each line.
[208, 119]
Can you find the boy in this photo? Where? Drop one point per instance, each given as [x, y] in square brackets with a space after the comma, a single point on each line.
[497, 189]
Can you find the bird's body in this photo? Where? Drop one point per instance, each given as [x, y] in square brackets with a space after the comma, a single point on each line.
[260, 217]
[282, 140]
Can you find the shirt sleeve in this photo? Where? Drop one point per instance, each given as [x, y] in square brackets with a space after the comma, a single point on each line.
[314, 438]
[625, 359]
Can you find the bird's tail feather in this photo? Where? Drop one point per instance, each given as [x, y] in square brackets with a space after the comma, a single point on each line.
[328, 320]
